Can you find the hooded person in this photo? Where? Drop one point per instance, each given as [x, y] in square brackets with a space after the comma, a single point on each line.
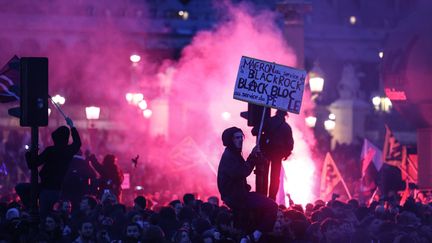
[231, 180]
[55, 161]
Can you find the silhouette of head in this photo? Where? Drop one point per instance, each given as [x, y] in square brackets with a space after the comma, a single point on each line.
[228, 135]
[109, 159]
[60, 136]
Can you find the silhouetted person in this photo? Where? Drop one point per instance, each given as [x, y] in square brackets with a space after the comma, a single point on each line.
[111, 176]
[56, 160]
[232, 185]
[79, 180]
[277, 144]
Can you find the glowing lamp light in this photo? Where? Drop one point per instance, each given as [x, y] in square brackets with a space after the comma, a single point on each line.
[316, 84]
[135, 58]
[353, 20]
[92, 112]
[142, 104]
[381, 54]
[183, 14]
[387, 104]
[316, 80]
[58, 99]
[49, 111]
[134, 98]
[332, 116]
[226, 115]
[129, 97]
[376, 101]
[147, 113]
[311, 121]
[137, 98]
[329, 125]
[382, 103]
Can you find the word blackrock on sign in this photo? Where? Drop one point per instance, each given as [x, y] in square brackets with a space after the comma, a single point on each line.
[270, 84]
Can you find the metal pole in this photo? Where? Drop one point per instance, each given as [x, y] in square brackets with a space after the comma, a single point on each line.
[34, 209]
[261, 125]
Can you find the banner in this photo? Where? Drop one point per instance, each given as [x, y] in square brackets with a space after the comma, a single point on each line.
[393, 152]
[269, 84]
[330, 177]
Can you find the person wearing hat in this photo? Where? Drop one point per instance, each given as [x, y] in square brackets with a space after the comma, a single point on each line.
[231, 180]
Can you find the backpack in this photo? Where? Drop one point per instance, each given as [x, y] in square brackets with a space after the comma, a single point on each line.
[278, 141]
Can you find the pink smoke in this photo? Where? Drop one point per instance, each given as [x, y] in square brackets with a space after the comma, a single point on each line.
[204, 80]
[91, 64]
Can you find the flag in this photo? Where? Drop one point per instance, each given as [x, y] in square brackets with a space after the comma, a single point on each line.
[367, 159]
[369, 149]
[9, 79]
[187, 154]
[372, 162]
[330, 177]
[409, 169]
[393, 153]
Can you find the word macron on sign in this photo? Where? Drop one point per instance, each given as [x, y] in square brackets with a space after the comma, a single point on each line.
[270, 84]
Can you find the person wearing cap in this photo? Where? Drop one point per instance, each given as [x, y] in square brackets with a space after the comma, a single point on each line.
[231, 180]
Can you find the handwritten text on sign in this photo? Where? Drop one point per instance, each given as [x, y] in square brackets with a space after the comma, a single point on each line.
[270, 84]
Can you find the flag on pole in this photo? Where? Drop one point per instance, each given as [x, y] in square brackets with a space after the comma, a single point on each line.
[369, 149]
[393, 153]
[409, 169]
[372, 162]
[9, 79]
[367, 159]
[330, 177]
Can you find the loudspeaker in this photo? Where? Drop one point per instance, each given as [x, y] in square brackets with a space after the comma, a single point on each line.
[34, 91]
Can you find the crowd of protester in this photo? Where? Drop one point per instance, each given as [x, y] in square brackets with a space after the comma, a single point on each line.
[104, 219]
[174, 216]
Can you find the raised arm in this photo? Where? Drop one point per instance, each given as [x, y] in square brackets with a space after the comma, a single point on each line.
[76, 140]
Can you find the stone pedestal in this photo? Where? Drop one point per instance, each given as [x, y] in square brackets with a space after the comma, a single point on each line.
[350, 121]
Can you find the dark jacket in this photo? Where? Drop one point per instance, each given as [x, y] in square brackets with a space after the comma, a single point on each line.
[231, 179]
[56, 159]
[277, 140]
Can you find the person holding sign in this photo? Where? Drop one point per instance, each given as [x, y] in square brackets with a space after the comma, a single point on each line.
[231, 179]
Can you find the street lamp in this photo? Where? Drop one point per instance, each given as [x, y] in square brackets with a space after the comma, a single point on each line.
[142, 104]
[58, 99]
[382, 103]
[134, 98]
[147, 113]
[135, 58]
[311, 121]
[316, 80]
[329, 125]
[92, 113]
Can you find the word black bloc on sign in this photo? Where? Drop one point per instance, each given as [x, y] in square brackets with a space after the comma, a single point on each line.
[270, 84]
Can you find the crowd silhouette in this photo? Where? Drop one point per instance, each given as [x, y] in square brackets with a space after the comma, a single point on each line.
[94, 211]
